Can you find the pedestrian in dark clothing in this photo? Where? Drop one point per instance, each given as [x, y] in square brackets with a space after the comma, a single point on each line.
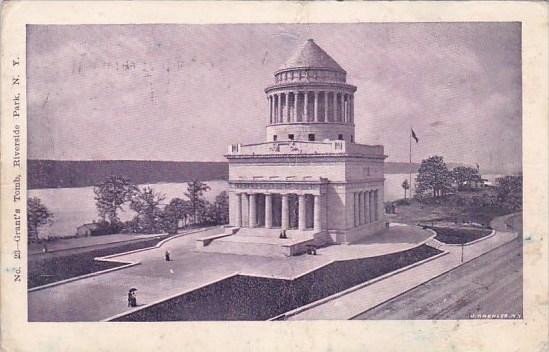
[132, 299]
[167, 256]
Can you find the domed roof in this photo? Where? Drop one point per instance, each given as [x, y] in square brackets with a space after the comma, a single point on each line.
[310, 55]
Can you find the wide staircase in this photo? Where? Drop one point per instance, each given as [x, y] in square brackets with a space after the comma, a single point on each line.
[262, 242]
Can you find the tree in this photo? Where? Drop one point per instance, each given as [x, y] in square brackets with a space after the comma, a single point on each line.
[37, 215]
[433, 176]
[111, 195]
[509, 192]
[406, 186]
[464, 175]
[146, 203]
[178, 209]
[195, 194]
[208, 214]
[221, 206]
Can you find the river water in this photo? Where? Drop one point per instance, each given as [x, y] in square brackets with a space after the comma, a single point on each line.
[73, 207]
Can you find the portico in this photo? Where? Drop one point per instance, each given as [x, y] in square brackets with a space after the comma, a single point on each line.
[279, 210]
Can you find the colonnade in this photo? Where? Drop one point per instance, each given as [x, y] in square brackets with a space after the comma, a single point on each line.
[311, 106]
[273, 210]
[366, 207]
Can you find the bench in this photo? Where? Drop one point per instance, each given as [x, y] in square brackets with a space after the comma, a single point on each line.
[204, 241]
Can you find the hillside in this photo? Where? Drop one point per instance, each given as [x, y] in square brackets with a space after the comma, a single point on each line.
[68, 174]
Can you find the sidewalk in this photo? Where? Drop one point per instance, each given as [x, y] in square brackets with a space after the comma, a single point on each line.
[348, 306]
[103, 296]
[81, 242]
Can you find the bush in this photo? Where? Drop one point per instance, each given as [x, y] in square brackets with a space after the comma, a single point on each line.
[105, 228]
[402, 202]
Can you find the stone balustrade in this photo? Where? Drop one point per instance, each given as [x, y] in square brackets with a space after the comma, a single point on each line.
[303, 147]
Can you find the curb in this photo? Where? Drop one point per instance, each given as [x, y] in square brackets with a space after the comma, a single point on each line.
[99, 244]
[491, 234]
[158, 245]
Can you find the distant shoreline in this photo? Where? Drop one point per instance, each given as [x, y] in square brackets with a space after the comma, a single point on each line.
[84, 173]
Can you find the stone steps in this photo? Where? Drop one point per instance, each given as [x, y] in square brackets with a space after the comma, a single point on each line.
[273, 233]
[249, 245]
[263, 242]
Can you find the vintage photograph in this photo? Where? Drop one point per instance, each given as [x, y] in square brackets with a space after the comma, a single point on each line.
[274, 172]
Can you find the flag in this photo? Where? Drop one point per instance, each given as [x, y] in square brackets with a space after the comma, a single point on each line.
[414, 136]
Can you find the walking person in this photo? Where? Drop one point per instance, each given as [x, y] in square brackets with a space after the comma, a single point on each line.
[132, 298]
[167, 256]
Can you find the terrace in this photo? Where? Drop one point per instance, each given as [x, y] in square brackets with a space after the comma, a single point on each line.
[305, 147]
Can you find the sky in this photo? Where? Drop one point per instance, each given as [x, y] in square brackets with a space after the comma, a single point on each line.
[185, 92]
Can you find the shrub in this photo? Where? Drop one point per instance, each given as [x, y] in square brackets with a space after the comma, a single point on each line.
[402, 202]
[99, 229]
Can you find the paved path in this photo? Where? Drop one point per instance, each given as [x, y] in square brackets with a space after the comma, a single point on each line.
[348, 306]
[489, 284]
[73, 243]
[103, 296]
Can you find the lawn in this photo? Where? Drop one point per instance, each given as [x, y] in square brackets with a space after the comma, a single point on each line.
[52, 267]
[458, 207]
[459, 235]
[243, 297]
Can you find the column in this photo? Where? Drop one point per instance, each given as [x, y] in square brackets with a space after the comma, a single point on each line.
[288, 107]
[253, 210]
[281, 111]
[364, 208]
[316, 107]
[305, 106]
[317, 224]
[325, 106]
[302, 224]
[268, 211]
[355, 208]
[294, 107]
[279, 108]
[339, 106]
[370, 212]
[376, 207]
[285, 212]
[334, 110]
[367, 208]
[239, 210]
[352, 114]
[270, 109]
[345, 108]
[360, 208]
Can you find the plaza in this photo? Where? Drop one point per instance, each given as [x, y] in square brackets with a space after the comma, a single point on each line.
[101, 296]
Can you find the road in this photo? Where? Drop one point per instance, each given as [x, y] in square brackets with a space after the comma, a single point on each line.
[490, 284]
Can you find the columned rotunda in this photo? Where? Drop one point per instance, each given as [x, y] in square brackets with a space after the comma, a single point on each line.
[310, 176]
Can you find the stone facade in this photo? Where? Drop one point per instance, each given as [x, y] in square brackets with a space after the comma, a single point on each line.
[309, 174]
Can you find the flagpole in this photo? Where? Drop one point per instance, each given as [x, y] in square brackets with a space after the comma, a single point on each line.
[410, 168]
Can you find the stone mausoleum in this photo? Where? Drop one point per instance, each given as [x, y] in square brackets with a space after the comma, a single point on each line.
[310, 176]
